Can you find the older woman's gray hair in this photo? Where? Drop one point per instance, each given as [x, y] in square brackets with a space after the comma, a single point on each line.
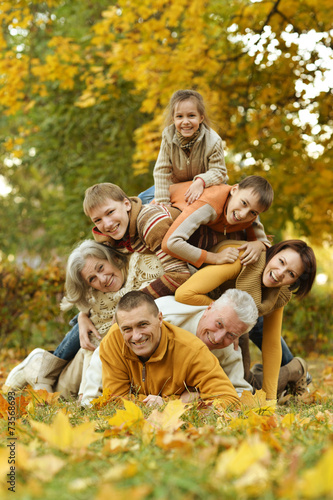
[78, 291]
[242, 303]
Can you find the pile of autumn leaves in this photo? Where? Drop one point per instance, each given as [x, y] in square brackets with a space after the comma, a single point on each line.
[261, 451]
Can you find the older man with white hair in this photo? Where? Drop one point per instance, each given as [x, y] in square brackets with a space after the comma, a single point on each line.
[219, 326]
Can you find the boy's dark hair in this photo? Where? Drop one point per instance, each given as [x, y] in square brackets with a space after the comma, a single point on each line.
[261, 187]
[134, 299]
[102, 193]
[305, 281]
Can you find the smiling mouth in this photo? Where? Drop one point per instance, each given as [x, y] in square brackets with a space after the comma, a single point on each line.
[109, 283]
[237, 217]
[139, 344]
[210, 339]
[114, 229]
[274, 277]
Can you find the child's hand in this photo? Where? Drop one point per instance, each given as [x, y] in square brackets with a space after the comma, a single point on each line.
[228, 256]
[194, 191]
[252, 252]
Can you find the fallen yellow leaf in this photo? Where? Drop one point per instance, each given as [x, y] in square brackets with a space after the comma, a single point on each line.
[131, 416]
[61, 435]
[168, 419]
[318, 481]
[235, 462]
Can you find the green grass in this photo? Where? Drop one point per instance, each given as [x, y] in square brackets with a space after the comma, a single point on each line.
[191, 463]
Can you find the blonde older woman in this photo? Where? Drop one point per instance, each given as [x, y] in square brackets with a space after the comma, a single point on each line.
[97, 276]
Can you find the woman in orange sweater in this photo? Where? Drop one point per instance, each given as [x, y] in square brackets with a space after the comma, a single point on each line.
[286, 267]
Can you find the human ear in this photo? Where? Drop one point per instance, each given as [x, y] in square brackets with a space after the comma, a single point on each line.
[127, 204]
[234, 189]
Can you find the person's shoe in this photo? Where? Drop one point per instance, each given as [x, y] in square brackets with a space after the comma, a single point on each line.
[308, 378]
[44, 373]
[300, 386]
[257, 369]
[17, 378]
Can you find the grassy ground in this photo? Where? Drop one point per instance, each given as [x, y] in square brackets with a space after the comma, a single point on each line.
[198, 452]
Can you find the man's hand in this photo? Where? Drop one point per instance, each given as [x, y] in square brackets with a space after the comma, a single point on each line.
[252, 252]
[153, 400]
[189, 396]
[194, 191]
[86, 327]
[236, 344]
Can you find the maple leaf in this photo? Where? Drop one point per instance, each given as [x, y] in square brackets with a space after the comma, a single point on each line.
[318, 396]
[104, 399]
[108, 491]
[3, 406]
[318, 481]
[257, 402]
[131, 416]
[120, 471]
[43, 467]
[253, 419]
[42, 396]
[116, 445]
[61, 435]
[169, 441]
[168, 419]
[254, 482]
[19, 405]
[235, 462]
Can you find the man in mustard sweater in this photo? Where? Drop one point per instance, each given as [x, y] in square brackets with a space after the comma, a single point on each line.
[152, 359]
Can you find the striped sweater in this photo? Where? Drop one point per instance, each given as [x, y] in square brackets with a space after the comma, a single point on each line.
[147, 226]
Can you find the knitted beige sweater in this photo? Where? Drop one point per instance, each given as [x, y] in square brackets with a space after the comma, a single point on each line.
[142, 270]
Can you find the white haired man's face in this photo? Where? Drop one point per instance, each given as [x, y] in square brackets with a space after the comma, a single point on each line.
[220, 327]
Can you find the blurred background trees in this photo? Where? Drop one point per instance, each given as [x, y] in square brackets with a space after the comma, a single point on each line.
[83, 86]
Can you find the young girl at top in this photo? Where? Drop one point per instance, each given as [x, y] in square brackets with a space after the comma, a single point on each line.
[190, 150]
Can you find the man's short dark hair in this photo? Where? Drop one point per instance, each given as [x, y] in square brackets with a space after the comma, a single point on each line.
[134, 299]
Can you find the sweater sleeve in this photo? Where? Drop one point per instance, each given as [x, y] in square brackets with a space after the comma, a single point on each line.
[175, 242]
[205, 280]
[217, 171]
[93, 386]
[162, 173]
[259, 232]
[152, 223]
[232, 364]
[115, 375]
[206, 374]
[272, 352]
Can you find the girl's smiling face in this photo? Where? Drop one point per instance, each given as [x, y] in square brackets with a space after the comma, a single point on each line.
[187, 118]
[283, 269]
[102, 275]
